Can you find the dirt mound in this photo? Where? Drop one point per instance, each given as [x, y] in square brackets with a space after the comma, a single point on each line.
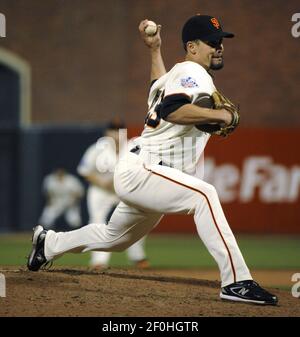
[124, 292]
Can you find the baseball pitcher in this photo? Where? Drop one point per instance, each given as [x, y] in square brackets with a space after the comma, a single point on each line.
[161, 176]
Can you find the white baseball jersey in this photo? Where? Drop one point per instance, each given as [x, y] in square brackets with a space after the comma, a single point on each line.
[178, 146]
[62, 190]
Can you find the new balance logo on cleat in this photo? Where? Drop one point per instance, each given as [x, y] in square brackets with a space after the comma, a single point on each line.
[243, 291]
[248, 291]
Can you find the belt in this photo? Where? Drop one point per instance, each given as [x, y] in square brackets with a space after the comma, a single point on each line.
[137, 150]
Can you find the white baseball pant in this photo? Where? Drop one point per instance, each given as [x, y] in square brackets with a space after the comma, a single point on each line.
[100, 205]
[147, 192]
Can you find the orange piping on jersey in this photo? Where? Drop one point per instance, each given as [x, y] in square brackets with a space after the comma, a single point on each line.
[211, 211]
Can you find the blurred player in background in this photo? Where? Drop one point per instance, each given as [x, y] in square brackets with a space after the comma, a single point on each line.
[97, 167]
[63, 192]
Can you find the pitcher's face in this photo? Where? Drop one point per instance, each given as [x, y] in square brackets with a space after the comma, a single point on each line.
[217, 61]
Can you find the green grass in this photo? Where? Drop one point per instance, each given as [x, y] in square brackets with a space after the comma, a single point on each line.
[174, 251]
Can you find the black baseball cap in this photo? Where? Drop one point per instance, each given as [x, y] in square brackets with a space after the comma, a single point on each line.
[203, 27]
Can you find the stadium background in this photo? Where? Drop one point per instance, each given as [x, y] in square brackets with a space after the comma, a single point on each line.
[67, 67]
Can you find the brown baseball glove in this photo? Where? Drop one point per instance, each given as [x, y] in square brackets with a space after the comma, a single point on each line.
[219, 101]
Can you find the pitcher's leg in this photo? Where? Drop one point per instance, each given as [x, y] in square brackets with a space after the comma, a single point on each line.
[212, 226]
[173, 191]
[216, 234]
[126, 226]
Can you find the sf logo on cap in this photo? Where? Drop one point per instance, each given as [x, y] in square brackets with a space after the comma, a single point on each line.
[215, 22]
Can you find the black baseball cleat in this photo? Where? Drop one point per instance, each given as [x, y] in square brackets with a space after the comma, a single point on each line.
[248, 291]
[37, 257]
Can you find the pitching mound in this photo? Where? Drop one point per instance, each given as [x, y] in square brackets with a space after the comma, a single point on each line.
[120, 292]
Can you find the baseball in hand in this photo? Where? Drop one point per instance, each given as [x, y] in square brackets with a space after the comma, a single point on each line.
[151, 28]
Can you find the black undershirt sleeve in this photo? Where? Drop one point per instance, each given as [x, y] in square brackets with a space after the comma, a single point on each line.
[172, 103]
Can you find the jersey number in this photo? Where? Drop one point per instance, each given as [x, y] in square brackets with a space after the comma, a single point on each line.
[153, 117]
